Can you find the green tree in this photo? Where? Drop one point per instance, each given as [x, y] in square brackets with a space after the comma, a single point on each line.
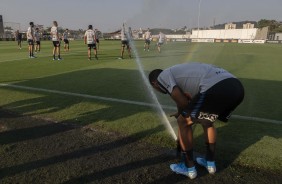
[274, 26]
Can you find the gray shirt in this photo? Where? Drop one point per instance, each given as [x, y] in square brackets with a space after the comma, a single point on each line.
[192, 78]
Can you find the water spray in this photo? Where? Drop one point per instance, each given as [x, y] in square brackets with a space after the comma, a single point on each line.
[150, 90]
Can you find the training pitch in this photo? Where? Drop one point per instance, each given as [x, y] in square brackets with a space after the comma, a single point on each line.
[81, 121]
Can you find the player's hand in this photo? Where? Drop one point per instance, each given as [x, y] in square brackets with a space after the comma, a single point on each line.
[189, 97]
[188, 121]
[174, 115]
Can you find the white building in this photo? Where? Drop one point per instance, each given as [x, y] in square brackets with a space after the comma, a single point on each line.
[230, 26]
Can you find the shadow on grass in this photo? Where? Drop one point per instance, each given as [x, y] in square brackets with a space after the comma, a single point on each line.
[12, 170]
[123, 84]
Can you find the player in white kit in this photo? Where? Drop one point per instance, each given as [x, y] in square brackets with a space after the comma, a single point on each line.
[203, 93]
[125, 39]
[30, 39]
[37, 40]
[147, 37]
[90, 40]
[66, 40]
[56, 41]
[161, 40]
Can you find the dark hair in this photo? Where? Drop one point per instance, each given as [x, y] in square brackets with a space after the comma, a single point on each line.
[153, 75]
[31, 23]
[90, 27]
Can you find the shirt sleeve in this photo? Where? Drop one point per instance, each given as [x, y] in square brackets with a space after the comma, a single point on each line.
[167, 81]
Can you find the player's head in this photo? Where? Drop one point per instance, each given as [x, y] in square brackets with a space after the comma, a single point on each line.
[153, 76]
[67, 29]
[90, 27]
[31, 24]
[37, 29]
[55, 23]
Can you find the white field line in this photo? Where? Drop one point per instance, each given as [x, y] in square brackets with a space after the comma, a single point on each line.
[44, 55]
[126, 101]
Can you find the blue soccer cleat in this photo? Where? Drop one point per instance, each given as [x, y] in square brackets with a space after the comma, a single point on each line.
[210, 166]
[182, 169]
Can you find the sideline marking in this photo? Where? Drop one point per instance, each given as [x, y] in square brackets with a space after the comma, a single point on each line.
[43, 55]
[126, 101]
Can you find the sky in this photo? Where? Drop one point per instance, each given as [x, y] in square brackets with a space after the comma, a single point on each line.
[108, 15]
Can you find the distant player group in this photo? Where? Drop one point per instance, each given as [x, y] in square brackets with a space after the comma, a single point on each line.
[126, 36]
[91, 38]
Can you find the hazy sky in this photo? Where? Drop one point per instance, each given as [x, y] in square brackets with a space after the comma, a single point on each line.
[108, 15]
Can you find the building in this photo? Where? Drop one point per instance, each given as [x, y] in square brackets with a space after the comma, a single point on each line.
[248, 26]
[275, 36]
[230, 26]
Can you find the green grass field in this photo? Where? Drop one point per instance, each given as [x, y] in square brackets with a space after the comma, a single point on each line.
[251, 143]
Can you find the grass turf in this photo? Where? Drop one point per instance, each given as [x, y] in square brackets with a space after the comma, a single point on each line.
[258, 67]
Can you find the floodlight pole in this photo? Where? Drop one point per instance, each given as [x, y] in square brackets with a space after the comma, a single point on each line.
[199, 10]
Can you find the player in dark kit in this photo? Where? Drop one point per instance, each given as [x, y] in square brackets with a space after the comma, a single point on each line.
[96, 31]
[203, 93]
[19, 37]
[66, 40]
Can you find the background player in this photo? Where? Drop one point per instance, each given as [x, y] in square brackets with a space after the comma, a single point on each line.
[125, 38]
[147, 37]
[90, 40]
[97, 38]
[37, 36]
[18, 38]
[162, 39]
[66, 40]
[56, 41]
[30, 39]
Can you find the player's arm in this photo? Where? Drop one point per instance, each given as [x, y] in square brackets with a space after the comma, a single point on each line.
[85, 38]
[94, 37]
[58, 36]
[181, 99]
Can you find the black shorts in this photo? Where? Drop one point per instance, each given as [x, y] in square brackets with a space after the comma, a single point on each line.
[124, 43]
[30, 42]
[97, 41]
[90, 46]
[56, 43]
[218, 102]
[147, 41]
[37, 42]
[160, 43]
[66, 41]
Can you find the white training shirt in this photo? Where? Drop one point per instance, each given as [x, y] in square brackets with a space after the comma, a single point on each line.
[65, 35]
[30, 33]
[54, 33]
[147, 35]
[90, 36]
[161, 38]
[192, 78]
[123, 34]
[37, 36]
